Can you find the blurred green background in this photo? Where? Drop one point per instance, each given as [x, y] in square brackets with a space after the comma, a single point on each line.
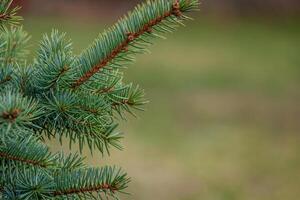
[223, 118]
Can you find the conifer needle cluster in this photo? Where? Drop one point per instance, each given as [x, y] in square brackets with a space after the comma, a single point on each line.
[78, 97]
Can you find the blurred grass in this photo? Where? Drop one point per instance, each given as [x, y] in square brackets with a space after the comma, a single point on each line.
[223, 121]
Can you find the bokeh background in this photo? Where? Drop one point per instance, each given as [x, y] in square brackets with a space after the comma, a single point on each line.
[223, 118]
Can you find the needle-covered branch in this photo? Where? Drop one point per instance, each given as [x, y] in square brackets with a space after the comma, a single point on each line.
[91, 183]
[13, 48]
[54, 62]
[132, 34]
[80, 98]
[67, 115]
[55, 175]
[17, 112]
[86, 183]
[26, 150]
[8, 16]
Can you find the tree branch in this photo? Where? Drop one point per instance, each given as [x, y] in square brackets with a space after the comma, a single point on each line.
[130, 37]
[27, 161]
[104, 186]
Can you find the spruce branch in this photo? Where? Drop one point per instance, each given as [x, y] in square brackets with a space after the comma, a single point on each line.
[25, 150]
[75, 97]
[66, 116]
[34, 184]
[55, 58]
[28, 149]
[32, 152]
[23, 77]
[17, 112]
[71, 181]
[105, 182]
[14, 45]
[8, 16]
[48, 175]
[6, 74]
[126, 99]
[130, 36]
[73, 161]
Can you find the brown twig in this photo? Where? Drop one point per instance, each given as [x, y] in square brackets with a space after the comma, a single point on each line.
[87, 189]
[4, 16]
[11, 115]
[125, 101]
[90, 110]
[61, 72]
[15, 158]
[105, 90]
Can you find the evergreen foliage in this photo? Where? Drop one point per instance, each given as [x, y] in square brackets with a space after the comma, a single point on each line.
[79, 97]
